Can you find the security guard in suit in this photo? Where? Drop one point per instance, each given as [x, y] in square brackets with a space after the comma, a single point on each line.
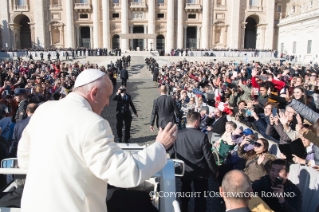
[20, 95]
[123, 113]
[41, 56]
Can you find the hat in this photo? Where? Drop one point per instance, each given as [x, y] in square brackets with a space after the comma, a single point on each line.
[87, 76]
[20, 91]
[248, 132]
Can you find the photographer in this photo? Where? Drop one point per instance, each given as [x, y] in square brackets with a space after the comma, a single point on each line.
[123, 113]
[277, 183]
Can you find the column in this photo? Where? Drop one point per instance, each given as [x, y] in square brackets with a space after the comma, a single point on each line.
[205, 24]
[151, 22]
[170, 27]
[91, 37]
[198, 37]
[234, 23]
[39, 18]
[131, 31]
[270, 24]
[185, 36]
[180, 13]
[145, 40]
[77, 36]
[69, 24]
[214, 36]
[243, 27]
[263, 29]
[106, 23]
[5, 31]
[96, 23]
[225, 36]
[124, 24]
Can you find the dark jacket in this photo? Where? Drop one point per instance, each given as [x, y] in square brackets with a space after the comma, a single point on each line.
[240, 210]
[291, 204]
[155, 74]
[218, 126]
[193, 148]
[124, 74]
[17, 134]
[124, 103]
[11, 199]
[163, 110]
[21, 112]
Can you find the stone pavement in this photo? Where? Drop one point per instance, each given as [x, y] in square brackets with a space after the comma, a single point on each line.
[143, 91]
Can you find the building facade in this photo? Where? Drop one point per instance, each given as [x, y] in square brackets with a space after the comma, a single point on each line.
[140, 24]
[299, 30]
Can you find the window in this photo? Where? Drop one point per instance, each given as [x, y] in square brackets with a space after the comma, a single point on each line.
[160, 15]
[84, 16]
[21, 2]
[160, 1]
[309, 47]
[116, 1]
[84, 1]
[55, 2]
[192, 16]
[253, 3]
[294, 47]
[116, 15]
[282, 48]
[279, 8]
[192, 1]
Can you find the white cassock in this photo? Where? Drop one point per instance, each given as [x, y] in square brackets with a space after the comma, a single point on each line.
[70, 156]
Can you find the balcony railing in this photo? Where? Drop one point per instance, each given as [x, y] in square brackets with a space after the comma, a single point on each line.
[82, 6]
[193, 7]
[254, 8]
[138, 6]
[116, 5]
[220, 7]
[21, 8]
[161, 5]
[55, 7]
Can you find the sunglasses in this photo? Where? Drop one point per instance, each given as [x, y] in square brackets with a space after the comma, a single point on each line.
[256, 144]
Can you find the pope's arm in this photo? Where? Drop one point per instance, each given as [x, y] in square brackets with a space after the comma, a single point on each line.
[24, 150]
[107, 161]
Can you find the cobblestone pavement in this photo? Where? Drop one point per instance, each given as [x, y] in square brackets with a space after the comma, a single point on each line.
[143, 92]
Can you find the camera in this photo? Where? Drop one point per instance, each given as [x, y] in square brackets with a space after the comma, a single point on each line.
[278, 181]
[122, 90]
[251, 141]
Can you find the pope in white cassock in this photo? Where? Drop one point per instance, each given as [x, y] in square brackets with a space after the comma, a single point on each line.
[69, 152]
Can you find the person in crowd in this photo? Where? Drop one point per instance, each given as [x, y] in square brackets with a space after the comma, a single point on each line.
[216, 125]
[276, 199]
[236, 182]
[18, 129]
[163, 111]
[12, 199]
[123, 113]
[258, 160]
[87, 149]
[226, 137]
[192, 144]
[124, 76]
[20, 96]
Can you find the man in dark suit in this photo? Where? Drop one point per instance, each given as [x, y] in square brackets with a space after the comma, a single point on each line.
[236, 182]
[18, 129]
[20, 95]
[163, 110]
[123, 113]
[124, 76]
[155, 74]
[216, 125]
[193, 148]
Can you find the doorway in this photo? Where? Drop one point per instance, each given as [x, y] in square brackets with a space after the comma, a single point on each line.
[191, 40]
[25, 33]
[138, 42]
[85, 37]
[250, 33]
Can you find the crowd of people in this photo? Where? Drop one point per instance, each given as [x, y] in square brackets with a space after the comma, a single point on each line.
[279, 101]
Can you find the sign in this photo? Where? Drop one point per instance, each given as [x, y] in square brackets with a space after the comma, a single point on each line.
[138, 36]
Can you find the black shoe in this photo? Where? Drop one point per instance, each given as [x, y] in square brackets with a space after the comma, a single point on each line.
[120, 140]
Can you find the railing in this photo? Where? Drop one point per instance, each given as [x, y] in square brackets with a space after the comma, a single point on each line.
[55, 6]
[254, 8]
[20, 7]
[161, 5]
[192, 6]
[116, 4]
[138, 5]
[82, 6]
[220, 6]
